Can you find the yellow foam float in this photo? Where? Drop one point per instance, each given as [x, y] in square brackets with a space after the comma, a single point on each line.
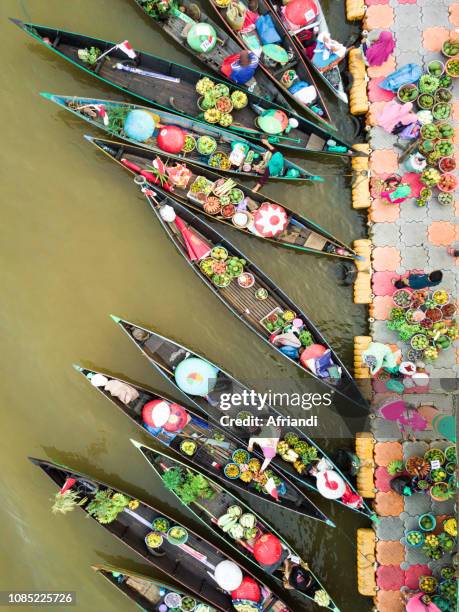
[361, 344]
[358, 97]
[364, 449]
[362, 283]
[361, 197]
[355, 10]
[366, 558]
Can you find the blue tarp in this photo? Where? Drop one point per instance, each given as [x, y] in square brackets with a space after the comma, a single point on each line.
[409, 73]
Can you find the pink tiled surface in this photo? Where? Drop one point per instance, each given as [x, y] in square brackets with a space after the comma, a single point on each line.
[382, 283]
[383, 212]
[454, 14]
[384, 160]
[382, 479]
[413, 573]
[442, 233]
[390, 577]
[413, 179]
[383, 70]
[382, 307]
[376, 93]
[386, 258]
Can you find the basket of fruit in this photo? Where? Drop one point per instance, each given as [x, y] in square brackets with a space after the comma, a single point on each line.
[219, 252]
[236, 195]
[239, 99]
[434, 314]
[235, 266]
[430, 353]
[447, 182]
[241, 456]
[207, 266]
[177, 535]
[450, 526]
[173, 601]
[436, 68]
[425, 101]
[447, 164]
[445, 130]
[219, 267]
[212, 115]
[212, 205]
[443, 342]
[435, 454]
[415, 538]
[442, 110]
[402, 298]
[228, 211]
[232, 471]
[188, 604]
[428, 584]
[448, 589]
[246, 280]
[220, 161]
[221, 280]
[450, 48]
[407, 93]
[206, 145]
[429, 131]
[188, 447]
[160, 524]
[153, 540]
[189, 144]
[445, 199]
[444, 148]
[439, 492]
[419, 342]
[226, 119]
[427, 522]
[204, 85]
[430, 177]
[224, 104]
[428, 84]
[452, 68]
[451, 454]
[443, 95]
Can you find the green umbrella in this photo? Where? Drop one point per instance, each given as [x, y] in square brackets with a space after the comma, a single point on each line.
[276, 53]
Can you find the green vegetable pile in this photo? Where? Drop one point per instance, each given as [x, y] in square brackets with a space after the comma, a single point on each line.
[187, 485]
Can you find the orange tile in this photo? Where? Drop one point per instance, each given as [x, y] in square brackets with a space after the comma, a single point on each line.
[382, 304]
[457, 355]
[383, 212]
[383, 70]
[454, 14]
[384, 160]
[386, 259]
[385, 452]
[456, 204]
[390, 552]
[442, 233]
[389, 601]
[433, 38]
[379, 16]
[389, 504]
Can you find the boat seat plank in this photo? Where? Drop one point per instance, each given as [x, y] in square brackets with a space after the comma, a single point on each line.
[244, 301]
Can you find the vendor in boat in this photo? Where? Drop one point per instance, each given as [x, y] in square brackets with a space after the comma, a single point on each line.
[163, 417]
[297, 576]
[240, 67]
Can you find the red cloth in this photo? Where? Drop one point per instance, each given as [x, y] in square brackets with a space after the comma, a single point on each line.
[196, 246]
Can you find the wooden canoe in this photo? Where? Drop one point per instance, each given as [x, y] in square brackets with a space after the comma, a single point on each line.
[187, 563]
[331, 78]
[84, 109]
[210, 456]
[301, 234]
[172, 87]
[165, 355]
[275, 70]
[243, 303]
[210, 510]
[146, 593]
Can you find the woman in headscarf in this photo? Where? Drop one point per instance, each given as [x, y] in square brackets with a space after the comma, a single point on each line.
[378, 52]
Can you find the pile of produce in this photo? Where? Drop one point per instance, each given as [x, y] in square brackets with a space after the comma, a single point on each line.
[222, 268]
[187, 485]
[425, 320]
[239, 526]
[217, 101]
[296, 451]
[247, 468]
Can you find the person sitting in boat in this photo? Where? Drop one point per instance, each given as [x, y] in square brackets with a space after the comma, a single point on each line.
[332, 485]
[168, 418]
[240, 67]
[327, 53]
[297, 576]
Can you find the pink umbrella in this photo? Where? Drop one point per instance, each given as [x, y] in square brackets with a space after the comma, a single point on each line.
[197, 247]
[270, 220]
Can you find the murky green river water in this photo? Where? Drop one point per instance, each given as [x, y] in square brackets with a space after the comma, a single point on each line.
[76, 243]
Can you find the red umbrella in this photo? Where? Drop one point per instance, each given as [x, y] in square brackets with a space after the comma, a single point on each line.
[197, 247]
[267, 549]
[270, 220]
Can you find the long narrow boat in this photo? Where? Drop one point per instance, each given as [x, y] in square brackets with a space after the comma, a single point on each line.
[331, 78]
[252, 296]
[165, 355]
[300, 234]
[212, 446]
[281, 61]
[86, 108]
[189, 563]
[224, 512]
[172, 87]
[147, 593]
[176, 22]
